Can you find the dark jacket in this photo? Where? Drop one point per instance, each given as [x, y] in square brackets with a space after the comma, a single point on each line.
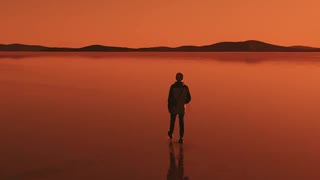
[179, 95]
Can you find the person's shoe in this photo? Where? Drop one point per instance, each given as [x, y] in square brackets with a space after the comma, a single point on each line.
[170, 135]
[181, 140]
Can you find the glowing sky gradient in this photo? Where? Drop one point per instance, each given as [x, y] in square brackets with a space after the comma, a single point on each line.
[142, 23]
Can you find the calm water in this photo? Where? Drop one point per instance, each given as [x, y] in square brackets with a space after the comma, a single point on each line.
[253, 116]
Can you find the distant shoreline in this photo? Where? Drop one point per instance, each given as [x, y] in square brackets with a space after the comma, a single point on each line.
[247, 57]
[242, 46]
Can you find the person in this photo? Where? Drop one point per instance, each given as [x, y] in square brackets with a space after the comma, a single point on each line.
[179, 96]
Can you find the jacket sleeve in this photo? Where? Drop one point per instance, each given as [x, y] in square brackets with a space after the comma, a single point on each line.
[170, 99]
[170, 96]
[188, 97]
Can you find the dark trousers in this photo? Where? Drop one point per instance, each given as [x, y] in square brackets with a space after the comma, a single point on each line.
[181, 123]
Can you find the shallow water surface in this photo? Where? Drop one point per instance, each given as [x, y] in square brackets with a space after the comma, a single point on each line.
[253, 116]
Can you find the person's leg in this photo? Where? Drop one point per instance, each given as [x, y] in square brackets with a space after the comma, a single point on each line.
[172, 122]
[181, 125]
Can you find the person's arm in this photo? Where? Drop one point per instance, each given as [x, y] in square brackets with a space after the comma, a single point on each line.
[170, 96]
[170, 99]
[188, 97]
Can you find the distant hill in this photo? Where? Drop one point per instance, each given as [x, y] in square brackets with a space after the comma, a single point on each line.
[303, 47]
[243, 46]
[21, 47]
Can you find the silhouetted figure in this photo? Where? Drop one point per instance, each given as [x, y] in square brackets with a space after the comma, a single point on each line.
[179, 96]
[176, 172]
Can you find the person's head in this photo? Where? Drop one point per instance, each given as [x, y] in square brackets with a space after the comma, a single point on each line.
[179, 76]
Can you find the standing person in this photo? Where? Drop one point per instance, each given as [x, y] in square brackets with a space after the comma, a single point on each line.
[179, 96]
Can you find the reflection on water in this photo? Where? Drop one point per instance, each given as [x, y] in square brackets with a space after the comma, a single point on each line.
[176, 170]
[246, 57]
[104, 116]
[35, 174]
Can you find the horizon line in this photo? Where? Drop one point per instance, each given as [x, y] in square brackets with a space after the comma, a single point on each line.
[157, 46]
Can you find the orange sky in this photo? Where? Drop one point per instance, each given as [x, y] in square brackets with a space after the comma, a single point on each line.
[141, 23]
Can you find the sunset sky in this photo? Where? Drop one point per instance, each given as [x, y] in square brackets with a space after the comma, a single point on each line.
[143, 23]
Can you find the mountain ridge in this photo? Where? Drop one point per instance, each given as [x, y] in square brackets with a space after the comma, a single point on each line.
[225, 46]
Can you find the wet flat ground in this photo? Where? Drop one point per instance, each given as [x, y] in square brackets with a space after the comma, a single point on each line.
[253, 116]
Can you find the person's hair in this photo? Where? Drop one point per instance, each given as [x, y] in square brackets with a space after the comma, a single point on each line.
[179, 76]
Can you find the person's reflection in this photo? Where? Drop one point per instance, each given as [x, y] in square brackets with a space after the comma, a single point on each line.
[176, 172]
